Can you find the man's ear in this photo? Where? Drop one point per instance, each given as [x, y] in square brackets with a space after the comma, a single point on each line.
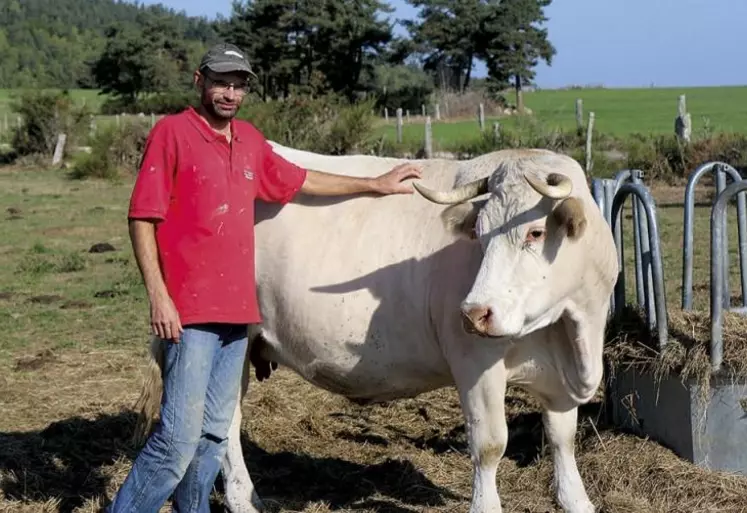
[461, 218]
[570, 217]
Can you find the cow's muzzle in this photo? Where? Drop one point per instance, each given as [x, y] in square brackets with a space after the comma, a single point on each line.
[476, 319]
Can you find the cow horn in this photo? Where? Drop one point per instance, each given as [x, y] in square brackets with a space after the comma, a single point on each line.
[456, 195]
[555, 185]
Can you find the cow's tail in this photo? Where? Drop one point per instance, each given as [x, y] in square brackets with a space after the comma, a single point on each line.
[149, 403]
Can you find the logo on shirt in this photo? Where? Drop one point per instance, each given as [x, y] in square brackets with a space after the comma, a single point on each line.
[248, 174]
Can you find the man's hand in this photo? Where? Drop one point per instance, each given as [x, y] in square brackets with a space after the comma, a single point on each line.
[391, 182]
[164, 319]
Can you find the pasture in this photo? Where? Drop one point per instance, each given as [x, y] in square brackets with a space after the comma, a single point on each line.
[618, 112]
[72, 360]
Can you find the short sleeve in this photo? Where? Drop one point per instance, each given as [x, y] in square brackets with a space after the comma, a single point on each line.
[279, 180]
[155, 179]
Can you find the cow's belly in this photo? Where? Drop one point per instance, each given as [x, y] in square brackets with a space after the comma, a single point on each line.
[347, 304]
[351, 345]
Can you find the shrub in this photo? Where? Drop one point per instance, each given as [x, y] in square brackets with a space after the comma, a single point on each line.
[403, 86]
[161, 103]
[46, 115]
[326, 124]
[115, 150]
[665, 158]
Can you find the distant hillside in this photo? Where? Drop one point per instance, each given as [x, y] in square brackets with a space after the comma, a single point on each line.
[47, 43]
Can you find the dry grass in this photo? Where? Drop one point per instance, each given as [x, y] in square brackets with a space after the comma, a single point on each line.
[687, 353]
[71, 364]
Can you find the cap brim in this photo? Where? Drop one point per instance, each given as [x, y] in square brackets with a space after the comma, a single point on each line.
[229, 67]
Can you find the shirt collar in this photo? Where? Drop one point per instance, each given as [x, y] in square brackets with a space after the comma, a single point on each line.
[208, 133]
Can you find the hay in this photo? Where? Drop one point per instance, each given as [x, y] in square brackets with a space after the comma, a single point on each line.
[66, 446]
[687, 353]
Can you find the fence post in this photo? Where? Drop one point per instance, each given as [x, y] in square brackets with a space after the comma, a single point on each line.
[481, 117]
[386, 114]
[399, 125]
[589, 131]
[428, 138]
[58, 149]
[579, 115]
[422, 108]
[683, 121]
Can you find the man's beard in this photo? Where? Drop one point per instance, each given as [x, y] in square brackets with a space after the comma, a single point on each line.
[217, 112]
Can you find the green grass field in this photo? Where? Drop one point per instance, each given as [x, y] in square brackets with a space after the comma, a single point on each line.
[9, 96]
[618, 112]
[75, 330]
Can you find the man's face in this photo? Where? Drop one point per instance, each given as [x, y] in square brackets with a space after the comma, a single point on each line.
[221, 94]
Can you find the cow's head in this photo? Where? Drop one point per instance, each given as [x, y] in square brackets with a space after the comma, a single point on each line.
[523, 227]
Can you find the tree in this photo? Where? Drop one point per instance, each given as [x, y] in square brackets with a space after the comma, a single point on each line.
[149, 59]
[54, 44]
[451, 37]
[516, 44]
[310, 46]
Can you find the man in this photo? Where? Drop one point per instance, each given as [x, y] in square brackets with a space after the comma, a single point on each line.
[191, 221]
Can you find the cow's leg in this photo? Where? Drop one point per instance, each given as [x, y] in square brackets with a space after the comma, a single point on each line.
[240, 494]
[560, 427]
[482, 391]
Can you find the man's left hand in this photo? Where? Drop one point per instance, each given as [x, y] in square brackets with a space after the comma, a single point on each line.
[391, 182]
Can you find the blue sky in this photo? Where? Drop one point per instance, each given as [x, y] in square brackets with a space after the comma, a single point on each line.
[618, 43]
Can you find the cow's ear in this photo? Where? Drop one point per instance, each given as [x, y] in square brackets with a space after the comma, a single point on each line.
[570, 217]
[461, 218]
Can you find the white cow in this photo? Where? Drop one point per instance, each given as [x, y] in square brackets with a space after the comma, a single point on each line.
[378, 298]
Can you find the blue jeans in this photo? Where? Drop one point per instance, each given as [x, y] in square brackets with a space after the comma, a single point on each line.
[202, 377]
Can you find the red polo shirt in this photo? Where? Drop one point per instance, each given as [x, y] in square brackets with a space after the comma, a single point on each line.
[201, 189]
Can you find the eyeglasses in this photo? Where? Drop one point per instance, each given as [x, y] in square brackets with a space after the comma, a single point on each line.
[240, 87]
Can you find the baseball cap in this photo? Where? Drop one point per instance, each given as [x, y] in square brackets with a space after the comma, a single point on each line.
[224, 58]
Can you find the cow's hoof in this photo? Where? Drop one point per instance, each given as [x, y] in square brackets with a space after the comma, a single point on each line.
[583, 507]
[244, 505]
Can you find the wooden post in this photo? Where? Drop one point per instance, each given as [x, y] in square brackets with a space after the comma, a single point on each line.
[408, 116]
[152, 120]
[683, 122]
[438, 112]
[386, 114]
[496, 130]
[422, 108]
[481, 117]
[589, 130]
[58, 149]
[579, 115]
[399, 125]
[428, 138]
[92, 126]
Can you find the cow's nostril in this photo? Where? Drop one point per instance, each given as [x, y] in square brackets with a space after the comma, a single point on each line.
[477, 318]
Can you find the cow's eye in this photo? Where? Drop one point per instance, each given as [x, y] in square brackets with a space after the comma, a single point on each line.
[535, 235]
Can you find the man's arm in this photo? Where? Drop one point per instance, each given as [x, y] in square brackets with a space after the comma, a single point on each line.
[319, 183]
[164, 317]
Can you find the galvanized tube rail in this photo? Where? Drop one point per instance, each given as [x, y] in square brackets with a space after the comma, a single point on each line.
[720, 269]
[603, 191]
[721, 169]
[640, 192]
